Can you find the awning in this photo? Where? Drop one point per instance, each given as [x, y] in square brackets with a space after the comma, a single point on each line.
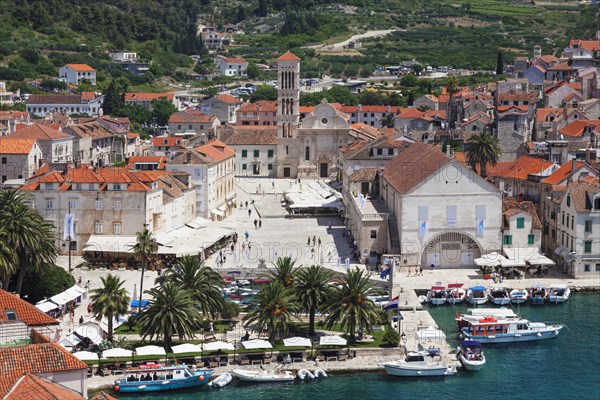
[333, 340]
[218, 212]
[489, 260]
[61, 299]
[512, 263]
[136, 303]
[531, 255]
[110, 243]
[218, 345]
[257, 344]
[150, 351]
[46, 305]
[86, 356]
[297, 342]
[186, 348]
[117, 353]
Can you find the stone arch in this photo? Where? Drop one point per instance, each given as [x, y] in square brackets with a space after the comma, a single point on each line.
[450, 249]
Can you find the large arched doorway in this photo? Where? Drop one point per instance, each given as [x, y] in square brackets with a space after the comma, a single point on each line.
[450, 249]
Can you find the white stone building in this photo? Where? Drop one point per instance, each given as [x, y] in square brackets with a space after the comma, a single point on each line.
[42, 105]
[19, 158]
[223, 106]
[255, 150]
[57, 146]
[232, 66]
[76, 73]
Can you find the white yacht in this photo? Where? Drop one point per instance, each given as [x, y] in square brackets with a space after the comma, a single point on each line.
[418, 363]
[558, 293]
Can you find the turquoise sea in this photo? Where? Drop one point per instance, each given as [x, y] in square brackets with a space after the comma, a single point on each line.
[564, 368]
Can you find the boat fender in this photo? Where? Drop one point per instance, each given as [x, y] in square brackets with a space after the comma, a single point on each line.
[142, 387]
[539, 334]
[201, 378]
[117, 388]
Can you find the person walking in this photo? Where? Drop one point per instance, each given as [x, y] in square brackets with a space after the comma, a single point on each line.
[314, 240]
[259, 223]
[246, 204]
[249, 212]
[255, 223]
[89, 309]
[319, 242]
[308, 241]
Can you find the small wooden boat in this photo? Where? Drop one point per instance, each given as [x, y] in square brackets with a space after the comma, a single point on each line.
[477, 295]
[558, 293]
[519, 296]
[471, 355]
[437, 295]
[538, 295]
[155, 377]
[455, 294]
[262, 376]
[499, 296]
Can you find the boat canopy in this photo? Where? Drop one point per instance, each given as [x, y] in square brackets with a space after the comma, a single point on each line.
[470, 343]
[438, 288]
[477, 288]
[454, 285]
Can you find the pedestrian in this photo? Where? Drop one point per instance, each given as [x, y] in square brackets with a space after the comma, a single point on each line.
[273, 184]
[89, 309]
[329, 227]
[312, 252]
[249, 212]
[249, 246]
[79, 281]
[87, 285]
[314, 240]
[247, 235]
[211, 327]
[255, 223]
[260, 223]
[81, 320]
[246, 204]
[403, 338]
[421, 271]
[243, 246]
[308, 242]
[319, 241]
[409, 271]
[232, 247]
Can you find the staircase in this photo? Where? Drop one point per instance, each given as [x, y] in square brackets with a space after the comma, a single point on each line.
[393, 235]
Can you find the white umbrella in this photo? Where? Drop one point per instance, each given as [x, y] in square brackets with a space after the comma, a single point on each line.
[430, 333]
[257, 344]
[46, 305]
[297, 342]
[116, 353]
[86, 356]
[150, 351]
[489, 260]
[333, 340]
[218, 345]
[186, 348]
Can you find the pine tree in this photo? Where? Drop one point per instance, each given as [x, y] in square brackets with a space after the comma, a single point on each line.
[499, 64]
[113, 101]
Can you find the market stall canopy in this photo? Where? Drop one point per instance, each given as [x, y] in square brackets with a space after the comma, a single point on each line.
[529, 255]
[314, 195]
[257, 344]
[218, 345]
[297, 342]
[489, 260]
[136, 303]
[186, 348]
[512, 263]
[332, 340]
[86, 356]
[150, 351]
[117, 353]
[430, 333]
[111, 243]
[46, 305]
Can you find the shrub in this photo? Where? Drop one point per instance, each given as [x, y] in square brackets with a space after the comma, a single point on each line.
[391, 337]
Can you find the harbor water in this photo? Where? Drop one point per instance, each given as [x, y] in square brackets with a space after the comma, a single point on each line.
[567, 367]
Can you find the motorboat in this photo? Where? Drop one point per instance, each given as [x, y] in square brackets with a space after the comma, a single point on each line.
[437, 295]
[221, 380]
[477, 295]
[538, 295]
[455, 294]
[305, 374]
[519, 296]
[243, 282]
[247, 292]
[418, 363]
[155, 377]
[475, 314]
[262, 376]
[499, 296]
[498, 330]
[558, 293]
[470, 355]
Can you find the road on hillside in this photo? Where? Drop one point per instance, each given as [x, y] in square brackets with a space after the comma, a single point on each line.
[366, 35]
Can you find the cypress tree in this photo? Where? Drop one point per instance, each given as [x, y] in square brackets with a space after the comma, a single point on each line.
[499, 64]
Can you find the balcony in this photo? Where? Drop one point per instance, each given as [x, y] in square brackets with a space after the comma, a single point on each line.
[369, 209]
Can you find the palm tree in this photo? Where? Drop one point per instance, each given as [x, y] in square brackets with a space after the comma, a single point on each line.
[274, 309]
[28, 234]
[311, 285]
[171, 312]
[203, 283]
[144, 248]
[7, 258]
[388, 120]
[452, 89]
[483, 148]
[284, 271]
[349, 304]
[109, 301]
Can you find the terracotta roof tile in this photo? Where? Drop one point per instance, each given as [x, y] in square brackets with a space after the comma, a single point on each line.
[511, 206]
[562, 173]
[81, 67]
[228, 99]
[148, 96]
[26, 312]
[31, 387]
[259, 106]
[579, 192]
[217, 150]
[103, 396]
[590, 45]
[248, 138]
[364, 174]
[191, 116]
[38, 132]
[520, 168]
[502, 109]
[160, 160]
[577, 128]
[159, 141]
[15, 146]
[234, 60]
[561, 67]
[541, 114]
[413, 166]
[288, 57]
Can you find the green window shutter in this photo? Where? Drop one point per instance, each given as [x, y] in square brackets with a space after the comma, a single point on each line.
[244, 167]
[531, 238]
[520, 223]
[256, 153]
[270, 166]
[270, 153]
[587, 246]
[508, 239]
[244, 154]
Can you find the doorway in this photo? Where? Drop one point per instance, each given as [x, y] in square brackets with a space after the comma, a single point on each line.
[324, 170]
[286, 172]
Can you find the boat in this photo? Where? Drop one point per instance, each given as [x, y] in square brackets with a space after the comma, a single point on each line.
[538, 295]
[304, 374]
[243, 282]
[470, 355]
[319, 373]
[558, 293]
[155, 377]
[423, 299]
[519, 296]
[455, 294]
[477, 295]
[499, 296]
[475, 314]
[418, 363]
[498, 330]
[262, 375]
[437, 295]
[221, 380]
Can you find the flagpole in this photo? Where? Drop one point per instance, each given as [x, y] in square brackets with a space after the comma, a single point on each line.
[70, 268]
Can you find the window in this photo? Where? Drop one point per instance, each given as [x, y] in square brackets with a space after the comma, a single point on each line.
[508, 239]
[78, 186]
[244, 167]
[117, 228]
[573, 222]
[588, 226]
[270, 153]
[597, 267]
[587, 246]
[98, 227]
[256, 153]
[117, 205]
[287, 149]
[49, 204]
[586, 267]
[98, 205]
[198, 173]
[11, 315]
[72, 205]
[373, 234]
[307, 153]
[244, 153]
[4, 160]
[563, 218]
[568, 201]
[116, 186]
[270, 167]
[520, 223]
[531, 238]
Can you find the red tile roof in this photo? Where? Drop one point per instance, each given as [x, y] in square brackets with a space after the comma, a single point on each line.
[103, 396]
[561, 67]
[31, 387]
[541, 114]
[15, 146]
[228, 99]
[511, 206]
[577, 128]
[6, 115]
[509, 108]
[259, 106]
[590, 45]
[216, 149]
[520, 168]
[26, 312]
[148, 96]
[252, 138]
[412, 166]
[159, 141]
[191, 116]
[562, 173]
[160, 160]
[81, 67]
[579, 191]
[288, 57]
[233, 60]
[38, 132]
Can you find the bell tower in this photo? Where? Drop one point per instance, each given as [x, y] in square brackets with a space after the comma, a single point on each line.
[288, 115]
